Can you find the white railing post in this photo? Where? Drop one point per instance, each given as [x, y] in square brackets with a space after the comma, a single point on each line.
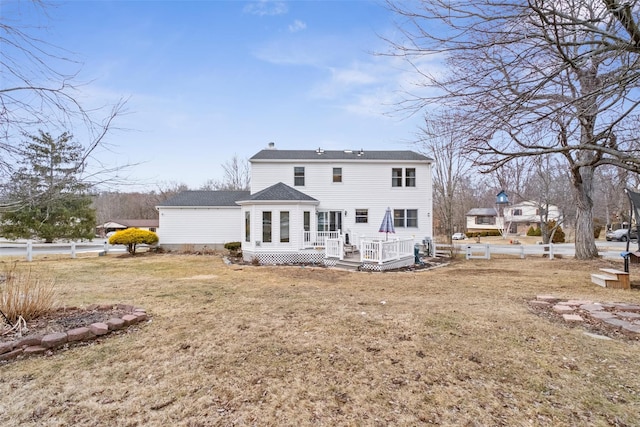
[29, 251]
[522, 251]
[380, 252]
[550, 250]
[73, 249]
[106, 247]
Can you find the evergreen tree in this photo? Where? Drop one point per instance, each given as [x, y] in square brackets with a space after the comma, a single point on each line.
[54, 202]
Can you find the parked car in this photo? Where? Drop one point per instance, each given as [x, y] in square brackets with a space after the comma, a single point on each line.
[622, 234]
[458, 236]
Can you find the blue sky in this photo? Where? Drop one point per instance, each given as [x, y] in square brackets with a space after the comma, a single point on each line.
[207, 80]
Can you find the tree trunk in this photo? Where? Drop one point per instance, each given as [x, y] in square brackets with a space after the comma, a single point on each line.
[582, 190]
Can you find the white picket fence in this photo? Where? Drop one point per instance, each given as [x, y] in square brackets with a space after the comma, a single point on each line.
[484, 251]
[28, 249]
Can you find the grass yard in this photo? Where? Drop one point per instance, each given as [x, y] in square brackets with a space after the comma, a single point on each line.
[284, 346]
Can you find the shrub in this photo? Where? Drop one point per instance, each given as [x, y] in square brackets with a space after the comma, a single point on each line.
[24, 294]
[558, 236]
[534, 232]
[233, 247]
[597, 227]
[131, 237]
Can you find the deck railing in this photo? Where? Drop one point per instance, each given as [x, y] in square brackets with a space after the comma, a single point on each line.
[381, 251]
[318, 239]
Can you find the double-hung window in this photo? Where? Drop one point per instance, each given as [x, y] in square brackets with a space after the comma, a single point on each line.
[396, 177]
[298, 176]
[405, 218]
[362, 216]
[410, 177]
[337, 175]
[406, 177]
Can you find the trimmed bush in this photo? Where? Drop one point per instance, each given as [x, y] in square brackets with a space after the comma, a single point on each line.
[534, 232]
[233, 247]
[131, 237]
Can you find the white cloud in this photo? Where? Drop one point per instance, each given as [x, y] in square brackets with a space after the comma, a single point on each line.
[266, 8]
[297, 26]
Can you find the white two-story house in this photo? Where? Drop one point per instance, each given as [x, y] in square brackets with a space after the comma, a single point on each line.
[306, 205]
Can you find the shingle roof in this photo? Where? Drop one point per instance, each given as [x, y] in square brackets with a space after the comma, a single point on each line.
[482, 212]
[281, 191]
[205, 198]
[338, 155]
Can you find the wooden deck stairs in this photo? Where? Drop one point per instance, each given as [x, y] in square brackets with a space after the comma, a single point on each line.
[612, 278]
[351, 261]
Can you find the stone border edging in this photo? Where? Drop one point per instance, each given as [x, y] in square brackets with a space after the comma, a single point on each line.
[39, 344]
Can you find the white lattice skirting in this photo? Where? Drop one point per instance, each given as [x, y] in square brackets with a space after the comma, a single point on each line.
[389, 265]
[274, 258]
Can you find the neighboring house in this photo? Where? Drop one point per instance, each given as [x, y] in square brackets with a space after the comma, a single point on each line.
[123, 224]
[200, 219]
[305, 205]
[517, 218]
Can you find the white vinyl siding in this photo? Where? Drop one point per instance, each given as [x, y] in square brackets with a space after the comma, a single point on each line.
[202, 226]
[368, 187]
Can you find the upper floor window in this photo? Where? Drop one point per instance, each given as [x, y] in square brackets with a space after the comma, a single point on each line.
[362, 216]
[396, 177]
[410, 177]
[337, 174]
[298, 176]
[516, 212]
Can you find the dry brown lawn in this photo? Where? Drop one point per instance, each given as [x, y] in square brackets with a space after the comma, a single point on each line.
[283, 346]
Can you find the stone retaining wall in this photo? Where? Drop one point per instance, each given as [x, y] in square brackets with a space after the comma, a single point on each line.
[40, 344]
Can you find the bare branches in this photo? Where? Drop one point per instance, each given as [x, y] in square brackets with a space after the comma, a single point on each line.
[39, 90]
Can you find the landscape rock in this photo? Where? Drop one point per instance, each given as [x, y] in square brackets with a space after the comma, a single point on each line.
[560, 308]
[29, 340]
[572, 318]
[53, 340]
[99, 328]
[79, 334]
[114, 324]
[6, 347]
[11, 355]
[34, 349]
[129, 319]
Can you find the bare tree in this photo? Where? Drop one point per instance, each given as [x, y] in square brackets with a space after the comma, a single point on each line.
[531, 79]
[439, 140]
[237, 176]
[35, 92]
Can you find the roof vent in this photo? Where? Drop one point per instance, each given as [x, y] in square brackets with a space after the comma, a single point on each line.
[271, 146]
[348, 151]
[361, 153]
[320, 151]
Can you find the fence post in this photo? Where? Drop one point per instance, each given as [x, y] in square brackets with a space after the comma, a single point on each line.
[468, 252]
[550, 250]
[29, 251]
[106, 247]
[522, 251]
[380, 252]
[73, 249]
[487, 252]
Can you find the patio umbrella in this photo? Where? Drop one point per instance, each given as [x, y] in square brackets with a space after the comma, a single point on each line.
[387, 224]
